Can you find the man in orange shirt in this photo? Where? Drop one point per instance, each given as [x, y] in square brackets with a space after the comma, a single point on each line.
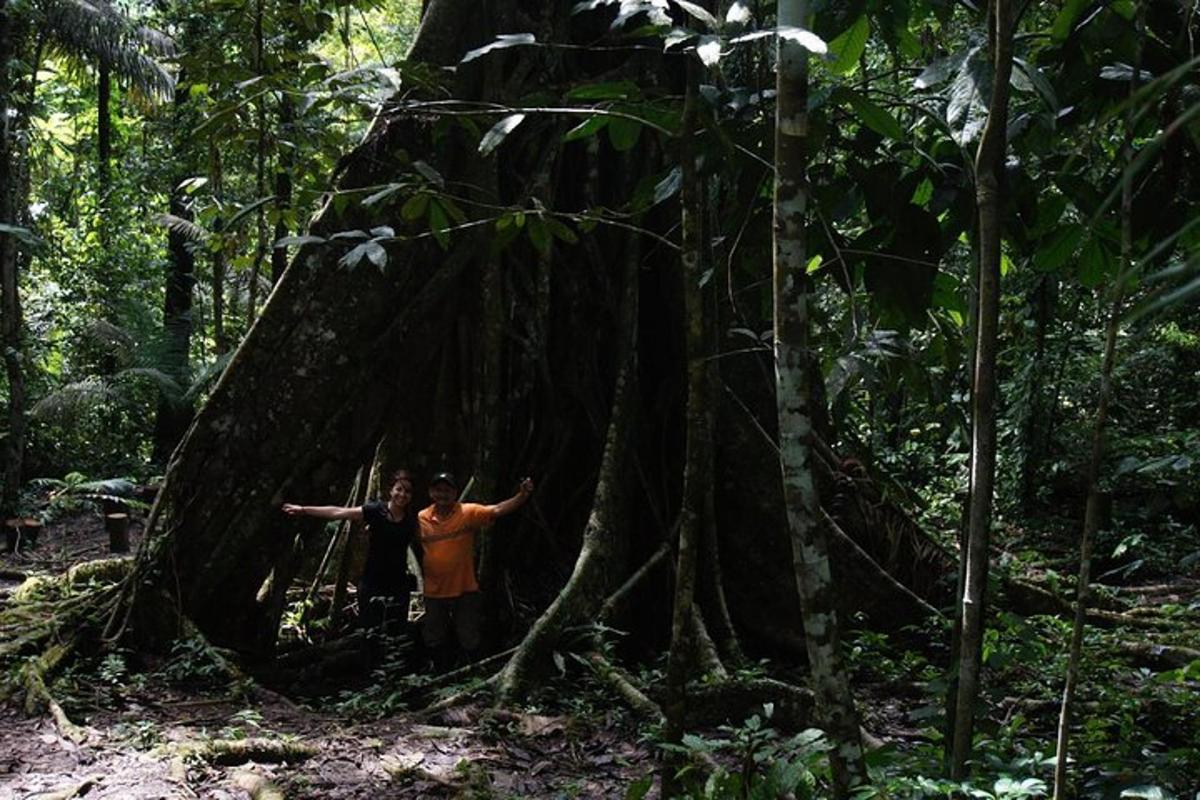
[452, 600]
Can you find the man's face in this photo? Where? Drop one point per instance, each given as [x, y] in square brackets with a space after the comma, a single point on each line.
[442, 494]
[401, 494]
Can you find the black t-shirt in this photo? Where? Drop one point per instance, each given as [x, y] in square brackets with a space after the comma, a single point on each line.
[387, 546]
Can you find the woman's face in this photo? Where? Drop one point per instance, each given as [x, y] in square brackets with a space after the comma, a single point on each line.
[401, 494]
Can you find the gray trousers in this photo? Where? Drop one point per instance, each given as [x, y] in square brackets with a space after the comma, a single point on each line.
[460, 617]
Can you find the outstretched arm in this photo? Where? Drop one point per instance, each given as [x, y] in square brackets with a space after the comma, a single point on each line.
[519, 499]
[323, 512]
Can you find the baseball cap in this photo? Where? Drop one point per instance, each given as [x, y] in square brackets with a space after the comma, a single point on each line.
[444, 477]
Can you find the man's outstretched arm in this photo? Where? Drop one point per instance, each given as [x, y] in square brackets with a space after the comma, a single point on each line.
[519, 499]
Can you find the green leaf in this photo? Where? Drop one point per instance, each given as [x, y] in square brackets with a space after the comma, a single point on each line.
[966, 111]
[1065, 20]
[923, 193]
[382, 194]
[639, 788]
[503, 41]
[614, 90]
[430, 174]
[438, 224]
[938, 72]
[560, 231]
[17, 232]
[1059, 248]
[587, 128]
[415, 207]
[539, 235]
[290, 241]
[1095, 263]
[848, 47]
[1037, 82]
[875, 117]
[498, 132]
[669, 186]
[624, 133]
[1006, 265]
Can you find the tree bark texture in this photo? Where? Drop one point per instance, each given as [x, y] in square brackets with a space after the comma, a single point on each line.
[810, 551]
[697, 469]
[13, 151]
[174, 412]
[989, 168]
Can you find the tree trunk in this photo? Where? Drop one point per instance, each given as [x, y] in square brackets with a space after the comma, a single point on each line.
[103, 129]
[697, 470]
[174, 412]
[12, 214]
[1095, 497]
[285, 148]
[584, 593]
[989, 167]
[810, 550]
[304, 400]
[216, 179]
[260, 173]
[1033, 427]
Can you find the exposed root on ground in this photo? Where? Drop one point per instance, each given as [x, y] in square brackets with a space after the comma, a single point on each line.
[231, 752]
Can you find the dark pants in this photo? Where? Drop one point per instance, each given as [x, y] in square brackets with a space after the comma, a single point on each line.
[451, 620]
[382, 607]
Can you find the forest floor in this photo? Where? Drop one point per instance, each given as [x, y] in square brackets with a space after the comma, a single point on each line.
[166, 728]
[146, 736]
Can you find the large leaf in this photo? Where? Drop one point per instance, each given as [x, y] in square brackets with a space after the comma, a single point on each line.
[938, 72]
[708, 48]
[802, 36]
[874, 116]
[624, 133]
[612, 90]
[502, 41]
[589, 127]
[1027, 77]
[699, 12]
[966, 110]
[1059, 248]
[498, 132]
[1064, 23]
[848, 47]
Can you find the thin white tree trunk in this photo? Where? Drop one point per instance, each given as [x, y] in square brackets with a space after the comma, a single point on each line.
[810, 552]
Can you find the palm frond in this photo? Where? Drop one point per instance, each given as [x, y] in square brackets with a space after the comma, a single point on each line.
[184, 227]
[207, 376]
[73, 401]
[93, 30]
[111, 336]
[170, 387]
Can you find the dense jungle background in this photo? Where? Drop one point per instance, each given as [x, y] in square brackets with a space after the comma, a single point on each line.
[852, 348]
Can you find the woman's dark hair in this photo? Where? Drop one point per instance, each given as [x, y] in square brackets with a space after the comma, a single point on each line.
[402, 475]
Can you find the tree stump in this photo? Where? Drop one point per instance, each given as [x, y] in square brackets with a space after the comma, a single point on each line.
[21, 533]
[117, 526]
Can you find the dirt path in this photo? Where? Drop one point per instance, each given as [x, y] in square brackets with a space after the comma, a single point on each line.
[142, 753]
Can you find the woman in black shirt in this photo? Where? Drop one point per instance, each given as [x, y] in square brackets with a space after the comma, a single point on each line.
[392, 529]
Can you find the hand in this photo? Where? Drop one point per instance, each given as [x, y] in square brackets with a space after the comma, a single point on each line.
[526, 487]
[293, 510]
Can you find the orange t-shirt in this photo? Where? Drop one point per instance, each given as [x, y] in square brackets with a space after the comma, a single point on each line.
[449, 548]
